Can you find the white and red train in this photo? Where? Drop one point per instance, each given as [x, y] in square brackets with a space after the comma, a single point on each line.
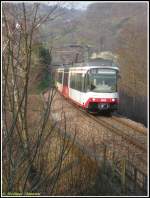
[92, 85]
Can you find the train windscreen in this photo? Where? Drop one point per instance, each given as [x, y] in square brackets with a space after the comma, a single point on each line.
[101, 80]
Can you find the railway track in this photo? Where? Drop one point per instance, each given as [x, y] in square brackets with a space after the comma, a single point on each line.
[137, 129]
[130, 134]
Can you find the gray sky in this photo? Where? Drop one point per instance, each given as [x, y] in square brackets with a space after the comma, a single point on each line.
[74, 4]
[69, 4]
[79, 4]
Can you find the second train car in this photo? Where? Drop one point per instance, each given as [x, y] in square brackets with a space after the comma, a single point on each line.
[91, 85]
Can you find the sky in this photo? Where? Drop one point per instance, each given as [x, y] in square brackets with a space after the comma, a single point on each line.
[75, 4]
[70, 4]
[82, 5]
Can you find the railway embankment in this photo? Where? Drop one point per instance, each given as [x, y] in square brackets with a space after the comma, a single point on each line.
[109, 142]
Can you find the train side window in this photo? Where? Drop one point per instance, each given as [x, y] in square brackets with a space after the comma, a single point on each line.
[86, 82]
[79, 82]
[76, 82]
[72, 81]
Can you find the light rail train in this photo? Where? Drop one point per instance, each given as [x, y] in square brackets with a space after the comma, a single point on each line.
[91, 85]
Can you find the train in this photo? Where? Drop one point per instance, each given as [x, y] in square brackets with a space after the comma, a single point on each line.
[92, 85]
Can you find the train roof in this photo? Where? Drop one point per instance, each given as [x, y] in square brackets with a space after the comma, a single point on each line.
[94, 66]
[93, 63]
[85, 68]
[88, 67]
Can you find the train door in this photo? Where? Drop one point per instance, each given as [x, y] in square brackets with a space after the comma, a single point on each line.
[65, 90]
[76, 87]
[80, 86]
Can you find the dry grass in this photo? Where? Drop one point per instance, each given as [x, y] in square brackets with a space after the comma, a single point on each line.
[78, 174]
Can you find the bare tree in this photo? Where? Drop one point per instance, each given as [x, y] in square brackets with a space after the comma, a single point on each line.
[24, 147]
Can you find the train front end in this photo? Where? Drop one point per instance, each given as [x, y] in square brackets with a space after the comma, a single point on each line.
[101, 89]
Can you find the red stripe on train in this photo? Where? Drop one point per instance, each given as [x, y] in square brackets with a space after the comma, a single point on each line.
[102, 100]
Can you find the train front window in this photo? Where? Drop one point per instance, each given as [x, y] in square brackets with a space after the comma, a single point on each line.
[101, 81]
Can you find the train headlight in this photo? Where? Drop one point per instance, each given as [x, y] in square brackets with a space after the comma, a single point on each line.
[113, 99]
[93, 99]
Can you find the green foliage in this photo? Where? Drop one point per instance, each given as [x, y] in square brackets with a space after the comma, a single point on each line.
[44, 55]
[45, 82]
[41, 60]
[44, 60]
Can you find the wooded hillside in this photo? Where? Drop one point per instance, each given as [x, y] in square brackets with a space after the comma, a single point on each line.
[117, 27]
